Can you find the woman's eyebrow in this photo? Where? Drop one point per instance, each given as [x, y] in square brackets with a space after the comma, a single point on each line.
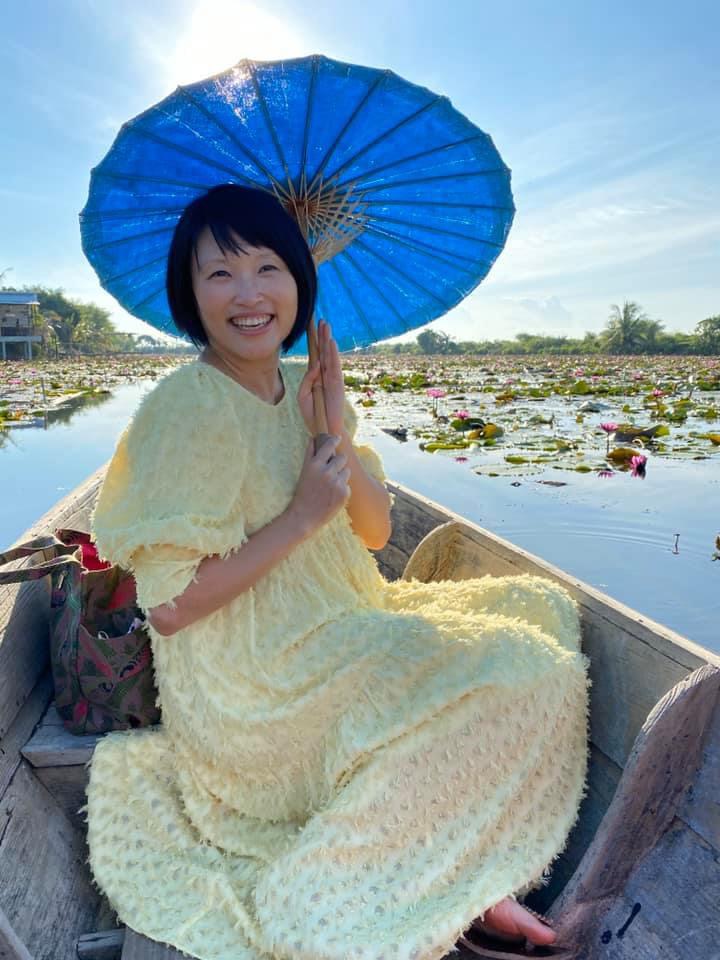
[206, 263]
[256, 251]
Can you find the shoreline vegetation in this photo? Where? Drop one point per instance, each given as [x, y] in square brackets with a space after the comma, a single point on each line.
[69, 327]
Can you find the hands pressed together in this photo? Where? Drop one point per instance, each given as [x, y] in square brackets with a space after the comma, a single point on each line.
[333, 383]
[324, 485]
[334, 477]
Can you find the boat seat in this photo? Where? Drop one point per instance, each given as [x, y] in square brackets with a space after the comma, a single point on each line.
[59, 760]
[103, 945]
[123, 944]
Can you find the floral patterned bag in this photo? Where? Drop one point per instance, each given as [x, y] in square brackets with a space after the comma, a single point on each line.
[99, 650]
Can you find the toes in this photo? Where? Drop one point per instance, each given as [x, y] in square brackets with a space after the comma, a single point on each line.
[511, 919]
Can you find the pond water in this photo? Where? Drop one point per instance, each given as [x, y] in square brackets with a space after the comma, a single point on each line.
[648, 543]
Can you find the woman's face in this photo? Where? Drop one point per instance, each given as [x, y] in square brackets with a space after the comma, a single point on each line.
[247, 301]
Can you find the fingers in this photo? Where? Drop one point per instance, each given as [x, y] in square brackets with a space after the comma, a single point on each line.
[326, 451]
[310, 376]
[333, 464]
[328, 349]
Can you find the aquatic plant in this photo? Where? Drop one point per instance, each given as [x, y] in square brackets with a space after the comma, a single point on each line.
[638, 464]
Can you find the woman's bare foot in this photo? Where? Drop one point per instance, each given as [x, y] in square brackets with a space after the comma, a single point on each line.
[509, 920]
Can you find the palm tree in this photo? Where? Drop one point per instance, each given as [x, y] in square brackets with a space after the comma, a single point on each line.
[627, 329]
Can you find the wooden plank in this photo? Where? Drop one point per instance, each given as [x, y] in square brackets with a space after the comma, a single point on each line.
[668, 909]
[52, 718]
[45, 892]
[54, 746]
[22, 727]
[700, 808]
[138, 947]
[413, 517]
[68, 788]
[663, 762]
[24, 608]
[103, 945]
[391, 561]
[59, 761]
[11, 947]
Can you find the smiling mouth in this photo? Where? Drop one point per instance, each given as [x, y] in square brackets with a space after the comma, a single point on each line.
[252, 323]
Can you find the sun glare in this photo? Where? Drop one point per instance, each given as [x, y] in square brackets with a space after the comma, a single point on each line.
[219, 33]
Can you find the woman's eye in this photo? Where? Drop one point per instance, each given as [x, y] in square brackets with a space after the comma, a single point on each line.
[219, 273]
[268, 266]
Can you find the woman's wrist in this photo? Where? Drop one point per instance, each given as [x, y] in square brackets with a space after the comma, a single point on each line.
[295, 524]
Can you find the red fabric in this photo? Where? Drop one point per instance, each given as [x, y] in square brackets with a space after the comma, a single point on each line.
[90, 558]
[126, 593]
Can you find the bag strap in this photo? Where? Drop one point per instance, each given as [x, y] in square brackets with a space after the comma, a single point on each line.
[60, 556]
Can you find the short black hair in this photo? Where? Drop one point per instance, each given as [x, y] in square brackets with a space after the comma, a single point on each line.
[257, 218]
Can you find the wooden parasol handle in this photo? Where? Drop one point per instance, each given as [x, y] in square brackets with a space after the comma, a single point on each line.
[318, 393]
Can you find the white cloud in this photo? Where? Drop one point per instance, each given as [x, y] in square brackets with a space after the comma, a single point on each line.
[635, 217]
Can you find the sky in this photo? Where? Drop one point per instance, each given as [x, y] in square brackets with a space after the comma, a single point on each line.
[608, 115]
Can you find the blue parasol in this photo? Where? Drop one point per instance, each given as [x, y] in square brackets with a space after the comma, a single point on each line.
[405, 204]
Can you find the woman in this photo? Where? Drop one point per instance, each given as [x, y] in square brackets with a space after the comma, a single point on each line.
[346, 767]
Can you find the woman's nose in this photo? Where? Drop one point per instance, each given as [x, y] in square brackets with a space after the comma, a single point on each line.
[246, 290]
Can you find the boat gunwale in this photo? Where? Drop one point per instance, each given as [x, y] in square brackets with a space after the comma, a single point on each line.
[579, 589]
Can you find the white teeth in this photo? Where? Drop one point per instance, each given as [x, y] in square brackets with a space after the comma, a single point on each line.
[259, 321]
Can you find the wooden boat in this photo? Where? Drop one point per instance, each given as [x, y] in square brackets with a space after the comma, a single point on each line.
[639, 878]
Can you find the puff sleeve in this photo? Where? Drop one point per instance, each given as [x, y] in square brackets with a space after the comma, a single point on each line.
[366, 454]
[170, 494]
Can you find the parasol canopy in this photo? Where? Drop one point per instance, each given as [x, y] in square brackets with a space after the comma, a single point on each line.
[404, 202]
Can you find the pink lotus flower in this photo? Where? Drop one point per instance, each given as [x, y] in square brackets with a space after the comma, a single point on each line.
[461, 459]
[579, 372]
[638, 465]
[461, 414]
[609, 427]
[15, 381]
[369, 392]
[435, 392]
[658, 393]
[606, 473]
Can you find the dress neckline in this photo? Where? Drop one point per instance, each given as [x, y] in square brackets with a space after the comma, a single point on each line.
[204, 365]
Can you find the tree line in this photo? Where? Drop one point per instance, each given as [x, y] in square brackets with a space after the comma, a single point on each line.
[69, 327]
[628, 331]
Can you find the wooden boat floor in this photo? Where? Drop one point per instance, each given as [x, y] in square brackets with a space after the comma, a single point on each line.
[138, 947]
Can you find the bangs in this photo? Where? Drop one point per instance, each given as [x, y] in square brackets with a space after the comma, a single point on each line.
[236, 215]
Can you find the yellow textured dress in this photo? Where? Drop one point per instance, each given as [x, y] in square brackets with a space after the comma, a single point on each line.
[346, 768]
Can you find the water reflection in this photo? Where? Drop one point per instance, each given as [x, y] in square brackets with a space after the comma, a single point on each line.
[67, 412]
[39, 465]
[58, 416]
